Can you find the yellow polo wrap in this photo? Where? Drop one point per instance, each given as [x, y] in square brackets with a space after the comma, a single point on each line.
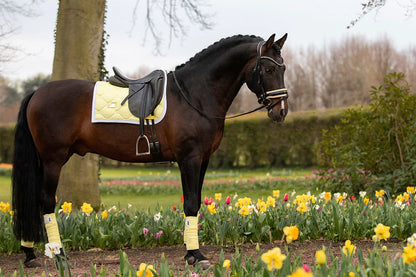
[190, 235]
[28, 244]
[51, 227]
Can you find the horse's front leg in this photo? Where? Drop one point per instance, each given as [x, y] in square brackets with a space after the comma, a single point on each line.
[192, 174]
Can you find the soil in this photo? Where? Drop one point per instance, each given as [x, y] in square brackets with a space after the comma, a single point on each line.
[81, 260]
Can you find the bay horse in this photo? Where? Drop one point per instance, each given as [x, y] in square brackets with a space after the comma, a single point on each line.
[54, 122]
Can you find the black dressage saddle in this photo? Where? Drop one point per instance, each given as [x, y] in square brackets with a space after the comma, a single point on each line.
[144, 96]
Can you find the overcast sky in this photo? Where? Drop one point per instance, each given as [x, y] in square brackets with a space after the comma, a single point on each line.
[308, 22]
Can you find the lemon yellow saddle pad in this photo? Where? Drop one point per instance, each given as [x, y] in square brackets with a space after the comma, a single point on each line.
[107, 108]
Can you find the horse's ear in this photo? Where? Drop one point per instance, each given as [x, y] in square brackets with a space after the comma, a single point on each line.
[270, 41]
[281, 41]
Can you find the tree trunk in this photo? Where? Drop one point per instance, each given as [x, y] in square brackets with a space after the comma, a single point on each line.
[79, 34]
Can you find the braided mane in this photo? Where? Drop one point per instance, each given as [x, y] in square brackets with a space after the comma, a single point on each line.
[224, 43]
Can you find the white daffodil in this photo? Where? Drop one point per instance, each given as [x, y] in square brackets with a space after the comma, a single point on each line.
[51, 249]
[157, 216]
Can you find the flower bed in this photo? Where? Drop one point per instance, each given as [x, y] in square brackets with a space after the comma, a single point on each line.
[229, 219]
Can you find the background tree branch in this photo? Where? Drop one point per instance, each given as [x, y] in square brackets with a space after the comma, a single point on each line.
[376, 5]
[172, 14]
[9, 9]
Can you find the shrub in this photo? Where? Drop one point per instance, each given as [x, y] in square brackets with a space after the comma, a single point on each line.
[378, 140]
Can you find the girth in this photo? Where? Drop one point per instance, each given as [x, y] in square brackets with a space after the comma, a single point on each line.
[144, 96]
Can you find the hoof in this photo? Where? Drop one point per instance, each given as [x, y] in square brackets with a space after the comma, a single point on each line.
[204, 264]
[194, 256]
[190, 259]
[33, 263]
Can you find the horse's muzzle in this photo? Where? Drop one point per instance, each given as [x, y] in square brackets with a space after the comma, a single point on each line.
[278, 117]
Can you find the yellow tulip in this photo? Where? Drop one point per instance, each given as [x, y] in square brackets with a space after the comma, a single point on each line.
[145, 270]
[348, 248]
[320, 257]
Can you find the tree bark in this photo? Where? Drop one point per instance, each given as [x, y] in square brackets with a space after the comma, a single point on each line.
[79, 33]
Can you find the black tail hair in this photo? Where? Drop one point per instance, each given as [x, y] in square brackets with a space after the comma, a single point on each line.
[26, 181]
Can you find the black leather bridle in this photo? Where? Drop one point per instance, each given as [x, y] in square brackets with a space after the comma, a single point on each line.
[264, 97]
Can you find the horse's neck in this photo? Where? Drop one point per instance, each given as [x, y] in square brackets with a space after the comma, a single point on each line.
[220, 79]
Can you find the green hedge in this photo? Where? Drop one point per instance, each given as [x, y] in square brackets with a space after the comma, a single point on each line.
[260, 142]
[252, 141]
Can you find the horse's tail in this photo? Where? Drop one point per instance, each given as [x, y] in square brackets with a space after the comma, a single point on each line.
[27, 180]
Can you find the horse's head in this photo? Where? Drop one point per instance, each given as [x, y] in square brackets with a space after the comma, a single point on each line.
[264, 76]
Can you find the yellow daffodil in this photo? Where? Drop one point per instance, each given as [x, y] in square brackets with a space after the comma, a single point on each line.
[66, 207]
[261, 206]
[302, 208]
[304, 198]
[291, 233]
[243, 202]
[380, 193]
[276, 193]
[409, 254]
[86, 208]
[382, 232]
[399, 198]
[271, 202]
[410, 190]
[104, 214]
[366, 200]
[327, 196]
[4, 207]
[145, 270]
[320, 257]
[211, 208]
[351, 274]
[244, 211]
[348, 248]
[273, 259]
[406, 196]
[226, 264]
[218, 196]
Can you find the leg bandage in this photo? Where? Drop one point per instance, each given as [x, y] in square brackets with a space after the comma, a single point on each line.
[27, 244]
[52, 230]
[190, 235]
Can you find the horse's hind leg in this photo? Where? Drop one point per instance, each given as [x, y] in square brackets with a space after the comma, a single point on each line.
[51, 174]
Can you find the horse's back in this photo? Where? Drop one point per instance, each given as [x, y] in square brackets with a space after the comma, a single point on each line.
[66, 92]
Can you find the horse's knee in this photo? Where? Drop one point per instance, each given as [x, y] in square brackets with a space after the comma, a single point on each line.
[191, 208]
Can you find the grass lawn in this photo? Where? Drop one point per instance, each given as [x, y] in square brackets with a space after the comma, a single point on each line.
[5, 189]
[171, 172]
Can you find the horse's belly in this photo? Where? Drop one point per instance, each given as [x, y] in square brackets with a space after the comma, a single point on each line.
[118, 142]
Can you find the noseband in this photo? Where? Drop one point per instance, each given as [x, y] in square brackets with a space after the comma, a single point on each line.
[265, 97]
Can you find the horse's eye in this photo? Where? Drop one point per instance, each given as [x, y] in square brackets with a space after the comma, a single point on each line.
[270, 70]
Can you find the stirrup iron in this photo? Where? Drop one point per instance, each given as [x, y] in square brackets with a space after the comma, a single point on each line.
[142, 137]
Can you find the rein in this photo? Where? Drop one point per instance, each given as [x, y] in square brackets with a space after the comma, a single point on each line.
[263, 99]
[211, 116]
